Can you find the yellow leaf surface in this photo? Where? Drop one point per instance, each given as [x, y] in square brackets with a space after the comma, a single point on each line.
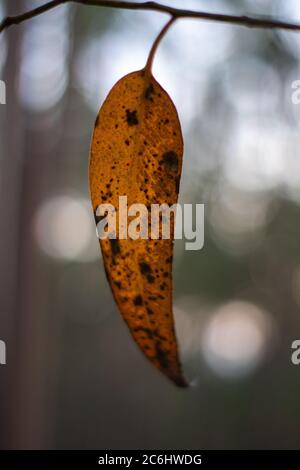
[136, 151]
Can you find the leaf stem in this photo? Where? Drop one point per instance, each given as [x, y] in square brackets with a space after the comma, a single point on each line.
[149, 63]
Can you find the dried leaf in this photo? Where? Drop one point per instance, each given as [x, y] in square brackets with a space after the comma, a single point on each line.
[137, 152]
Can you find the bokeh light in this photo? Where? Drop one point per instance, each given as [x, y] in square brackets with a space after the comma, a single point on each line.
[236, 338]
[65, 229]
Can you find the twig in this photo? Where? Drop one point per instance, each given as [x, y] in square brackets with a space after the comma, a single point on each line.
[247, 21]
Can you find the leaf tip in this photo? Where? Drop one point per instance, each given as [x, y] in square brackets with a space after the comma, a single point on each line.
[181, 382]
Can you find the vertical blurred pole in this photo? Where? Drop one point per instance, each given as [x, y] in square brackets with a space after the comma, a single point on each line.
[11, 175]
[30, 291]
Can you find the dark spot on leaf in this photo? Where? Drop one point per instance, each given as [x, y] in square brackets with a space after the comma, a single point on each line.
[138, 300]
[131, 118]
[161, 355]
[147, 331]
[115, 247]
[145, 268]
[149, 93]
[150, 278]
[170, 160]
[118, 284]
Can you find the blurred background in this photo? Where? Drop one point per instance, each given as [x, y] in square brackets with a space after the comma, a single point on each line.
[74, 378]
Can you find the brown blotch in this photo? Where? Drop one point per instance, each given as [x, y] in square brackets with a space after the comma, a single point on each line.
[161, 356]
[142, 329]
[149, 93]
[170, 160]
[152, 297]
[145, 268]
[115, 246]
[150, 278]
[138, 300]
[131, 118]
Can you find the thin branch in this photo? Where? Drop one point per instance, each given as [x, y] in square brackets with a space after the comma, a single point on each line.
[247, 21]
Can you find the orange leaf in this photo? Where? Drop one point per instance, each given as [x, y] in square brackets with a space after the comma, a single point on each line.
[137, 152]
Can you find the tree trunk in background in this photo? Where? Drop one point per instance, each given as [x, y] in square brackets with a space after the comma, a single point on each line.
[28, 281]
[12, 162]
